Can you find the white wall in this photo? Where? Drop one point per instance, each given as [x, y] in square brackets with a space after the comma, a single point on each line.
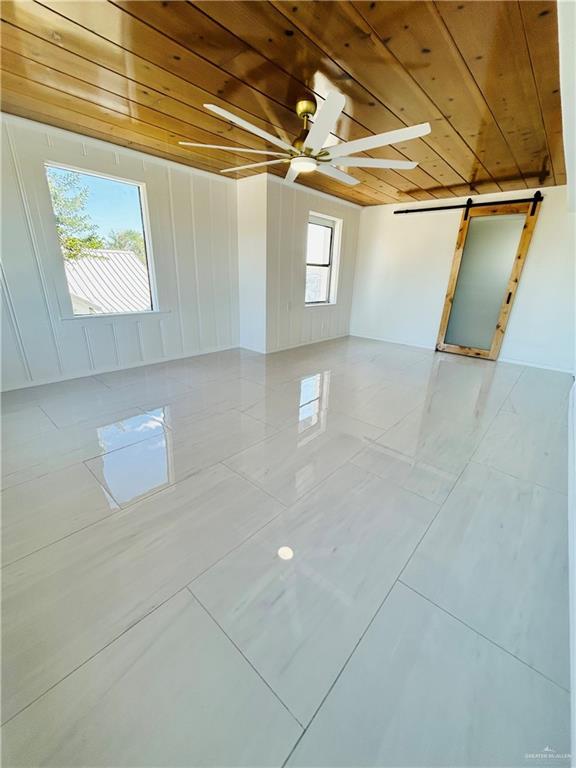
[567, 46]
[402, 273]
[252, 195]
[193, 234]
[272, 233]
[289, 321]
[217, 285]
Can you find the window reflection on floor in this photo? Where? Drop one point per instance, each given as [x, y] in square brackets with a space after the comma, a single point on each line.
[313, 404]
[144, 466]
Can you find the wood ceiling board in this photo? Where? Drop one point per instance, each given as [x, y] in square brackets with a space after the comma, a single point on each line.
[540, 19]
[290, 45]
[67, 36]
[129, 32]
[416, 35]
[155, 65]
[189, 27]
[118, 113]
[16, 107]
[33, 48]
[110, 22]
[344, 35]
[260, 26]
[175, 130]
[112, 59]
[27, 106]
[490, 36]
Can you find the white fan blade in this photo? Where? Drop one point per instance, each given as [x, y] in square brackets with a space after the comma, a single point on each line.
[325, 121]
[240, 150]
[374, 162]
[252, 165]
[334, 173]
[249, 127]
[380, 140]
[292, 174]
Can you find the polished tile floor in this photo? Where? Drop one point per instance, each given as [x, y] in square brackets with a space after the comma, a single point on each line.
[347, 554]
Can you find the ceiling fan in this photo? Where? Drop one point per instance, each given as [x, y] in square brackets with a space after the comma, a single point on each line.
[308, 151]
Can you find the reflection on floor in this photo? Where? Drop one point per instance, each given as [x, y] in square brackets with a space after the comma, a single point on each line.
[348, 554]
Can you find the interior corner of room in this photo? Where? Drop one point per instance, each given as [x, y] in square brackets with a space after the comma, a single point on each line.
[229, 261]
[288, 347]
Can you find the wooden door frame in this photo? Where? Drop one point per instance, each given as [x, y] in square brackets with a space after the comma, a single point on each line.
[531, 211]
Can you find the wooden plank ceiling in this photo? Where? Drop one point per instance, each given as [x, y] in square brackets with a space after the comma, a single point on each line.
[484, 74]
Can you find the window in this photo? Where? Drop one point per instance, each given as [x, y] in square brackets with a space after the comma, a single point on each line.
[322, 235]
[100, 227]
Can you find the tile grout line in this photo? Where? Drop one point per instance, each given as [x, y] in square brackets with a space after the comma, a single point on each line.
[32, 467]
[483, 636]
[137, 621]
[89, 658]
[492, 468]
[369, 624]
[362, 635]
[246, 659]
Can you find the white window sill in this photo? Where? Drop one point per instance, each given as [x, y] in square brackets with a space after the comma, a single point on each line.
[108, 315]
[320, 304]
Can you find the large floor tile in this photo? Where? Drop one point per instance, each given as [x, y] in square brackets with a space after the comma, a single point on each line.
[64, 603]
[185, 447]
[67, 411]
[21, 425]
[435, 438]
[52, 451]
[469, 390]
[213, 397]
[298, 619]
[424, 690]
[384, 405]
[16, 399]
[533, 449]
[540, 394]
[424, 479]
[302, 400]
[145, 374]
[41, 511]
[292, 462]
[497, 558]
[173, 691]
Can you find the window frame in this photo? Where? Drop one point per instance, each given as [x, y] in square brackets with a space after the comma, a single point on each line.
[68, 310]
[335, 226]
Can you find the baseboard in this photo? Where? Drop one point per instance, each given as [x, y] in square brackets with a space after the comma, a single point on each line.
[511, 360]
[106, 369]
[308, 343]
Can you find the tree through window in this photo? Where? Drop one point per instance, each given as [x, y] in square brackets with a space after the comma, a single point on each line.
[100, 228]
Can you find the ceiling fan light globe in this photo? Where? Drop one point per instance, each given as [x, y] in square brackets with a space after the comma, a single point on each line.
[303, 164]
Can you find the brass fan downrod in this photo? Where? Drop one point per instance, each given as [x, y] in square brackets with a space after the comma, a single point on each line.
[305, 109]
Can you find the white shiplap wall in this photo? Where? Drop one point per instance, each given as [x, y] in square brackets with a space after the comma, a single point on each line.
[193, 229]
[289, 322]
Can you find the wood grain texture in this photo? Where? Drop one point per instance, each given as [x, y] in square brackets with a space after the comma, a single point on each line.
[531, 213]
[485, 75]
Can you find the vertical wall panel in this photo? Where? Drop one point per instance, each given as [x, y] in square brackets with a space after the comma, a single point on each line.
[194, 254]
[193, 218]
[204, 246]
[128, 341]
[14, 363]
[290, 321]
[102, 345]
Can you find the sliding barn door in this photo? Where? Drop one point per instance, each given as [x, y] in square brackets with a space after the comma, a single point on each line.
[490, 252]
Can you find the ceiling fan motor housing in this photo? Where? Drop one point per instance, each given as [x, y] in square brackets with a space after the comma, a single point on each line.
[305, 108]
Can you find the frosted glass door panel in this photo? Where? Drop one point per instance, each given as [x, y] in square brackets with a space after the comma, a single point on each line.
[489, 252]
